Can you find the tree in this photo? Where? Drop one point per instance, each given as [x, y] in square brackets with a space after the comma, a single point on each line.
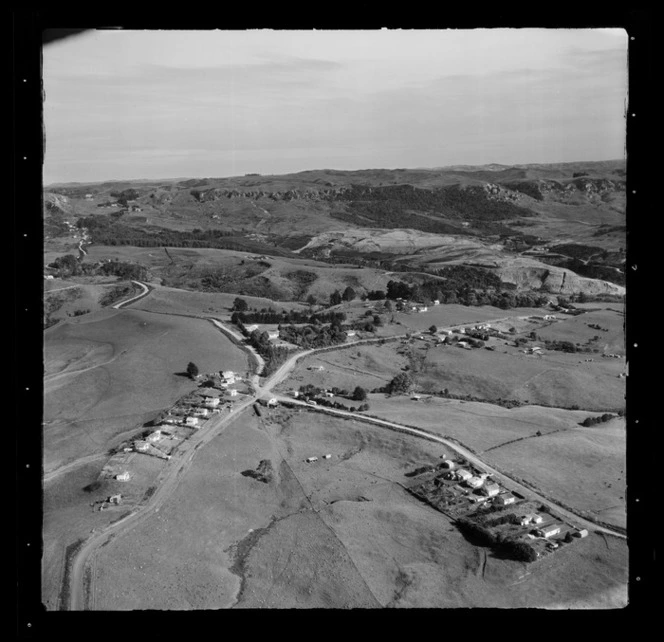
[433, 329]
[335, 298]
[359, 394]
[400, 384]
[192, 370]
[349, 294]
[240, 305]
[311, 300]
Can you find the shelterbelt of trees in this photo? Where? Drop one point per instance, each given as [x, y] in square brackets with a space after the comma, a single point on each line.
[457, 290]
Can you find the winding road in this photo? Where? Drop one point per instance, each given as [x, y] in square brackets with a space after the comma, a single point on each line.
[82, 597]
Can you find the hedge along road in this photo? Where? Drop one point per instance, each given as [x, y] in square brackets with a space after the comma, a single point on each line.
[169, 478]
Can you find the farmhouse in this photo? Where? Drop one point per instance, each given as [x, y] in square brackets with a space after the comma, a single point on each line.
[125, 476]
[504, 499]
[228, 374]
[273, 334]
[202, 412]
[155, 436]
[491, 489]
[549, 530]
[141, 446]
[272, 403]
[463, 474]
[533, 518]
[475, 482]
[436, 302]
[212, 402]
[232, 392]
[351, 333]
[448, 463]
[251, 328]
[191, 421]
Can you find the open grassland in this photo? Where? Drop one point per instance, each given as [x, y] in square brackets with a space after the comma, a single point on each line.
[109, 372]
[582, 467]
[554, 379]
[480, 426]
[176, 301]
[68, 515]
[576, 328]
[338, 533]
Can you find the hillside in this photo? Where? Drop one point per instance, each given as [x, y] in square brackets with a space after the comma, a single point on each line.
[505, 219]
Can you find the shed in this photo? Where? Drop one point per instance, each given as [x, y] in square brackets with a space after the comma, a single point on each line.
[582, 532]
[125, 476]
[448, 463]
[310, 460]
[191, 421]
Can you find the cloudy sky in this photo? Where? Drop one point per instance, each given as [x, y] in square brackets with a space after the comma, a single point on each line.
[161, 104]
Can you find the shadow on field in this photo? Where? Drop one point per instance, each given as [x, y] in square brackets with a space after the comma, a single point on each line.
[186, 375]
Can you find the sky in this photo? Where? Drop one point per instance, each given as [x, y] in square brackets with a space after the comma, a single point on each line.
[164, 104]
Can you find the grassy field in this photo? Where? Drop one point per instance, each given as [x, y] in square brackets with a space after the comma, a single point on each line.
[585, 467]
[108, 372]
[340, 533]
[68, 515]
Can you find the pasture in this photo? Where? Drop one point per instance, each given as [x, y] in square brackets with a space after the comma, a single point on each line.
[338, 533]
[109, 372]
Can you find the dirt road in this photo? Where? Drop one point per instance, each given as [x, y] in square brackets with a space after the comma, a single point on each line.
[145, 292]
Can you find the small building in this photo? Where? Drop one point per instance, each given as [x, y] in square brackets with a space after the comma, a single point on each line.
[436, 302]
[212, 402]
[424, 309]
[273, 334]
[295, 393]
[415, 397]
[141, 446]
[155, 436]
[449, 464]
[251, 328]
[123, 477]
[504, 499]
[475, 482]
[351, 333]
[311, 460]
[228, 374]
[49, 277]
[463, 474]
[549, 530]
[201, 412]
[327, 456]
[582, 532]
[115, 499]
[272, 403]
[491, 489]
[191, 421]
[232, 392]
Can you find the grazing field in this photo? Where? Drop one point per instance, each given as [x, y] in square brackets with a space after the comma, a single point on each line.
[176, 301]
[109, 372]
[337, 533]
[576, 329]
[582, 467]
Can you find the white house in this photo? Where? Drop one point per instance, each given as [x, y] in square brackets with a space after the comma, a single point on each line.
[581, 533]
[141, 446]
[310, 460]
[201, 412]
[448, 463]
[327, 456]
[351, 333]
[549, 530]
[436, 302]
[415, 397]
[191, 421]
[531, 518]
[463, 474]
[123, 476]
[491, 489]
[232, 392]
[155, 436]
[212, 402]
[273, 334]
[504, 499]
[272, 403]
[228, 374]
[475, 482]
[424, 309]
[251, 328]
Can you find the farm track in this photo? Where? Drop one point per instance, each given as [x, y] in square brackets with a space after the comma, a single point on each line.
[169, 478]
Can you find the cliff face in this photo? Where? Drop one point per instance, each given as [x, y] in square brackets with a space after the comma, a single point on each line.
[534, 275]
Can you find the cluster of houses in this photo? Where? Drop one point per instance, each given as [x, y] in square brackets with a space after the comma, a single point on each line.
[311, 460]
[487, 489]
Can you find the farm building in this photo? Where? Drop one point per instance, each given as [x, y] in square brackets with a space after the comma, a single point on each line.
[191, 421]
[251, 328]
[463, 474]
[581, 533]
[491, 489]
[125, 476]
[310, 460]
[351, 333]
[549, 530]
[504, 499]
[232, 392]
[155, 436]
[201, 412]
[475, 482]
[436, 302]
[141, 446]
[273, 334]
[212, 402]
[448, 463]
[115, 499]
[327, 456]
[415, 397]
[272, 403]
[531, 518]
[228, 374]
